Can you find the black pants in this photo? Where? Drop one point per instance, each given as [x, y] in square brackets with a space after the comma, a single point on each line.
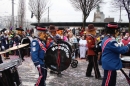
[109, 78]
[7, 54]
[42, 76]
[1, 59]
[22, 53]
[93, 64]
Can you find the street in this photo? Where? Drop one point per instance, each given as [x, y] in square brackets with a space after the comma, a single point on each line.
[71, 77]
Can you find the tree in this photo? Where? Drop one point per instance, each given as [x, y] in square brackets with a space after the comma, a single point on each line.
[38, 7]
[45, 20]
[86, 6]
[21, 13]
[124, 4]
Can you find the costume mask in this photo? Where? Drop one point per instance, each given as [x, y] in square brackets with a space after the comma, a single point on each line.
[19, 32]
[42, 35]
[53, 33]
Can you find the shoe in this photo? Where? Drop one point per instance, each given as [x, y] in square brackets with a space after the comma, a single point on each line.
[100, 78]
[7, 58]
[89, 76]
[59, 75]
[23, 59]
[52, 72]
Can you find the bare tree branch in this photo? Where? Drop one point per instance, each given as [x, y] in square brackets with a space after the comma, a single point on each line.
[21, 13]
[38, 7]
[124, 4]
[86, 6]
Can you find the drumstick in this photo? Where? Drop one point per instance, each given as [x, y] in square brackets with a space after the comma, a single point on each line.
[126, 76]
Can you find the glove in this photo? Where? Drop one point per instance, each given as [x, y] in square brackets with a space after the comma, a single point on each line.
[38, 66]
[3, 47]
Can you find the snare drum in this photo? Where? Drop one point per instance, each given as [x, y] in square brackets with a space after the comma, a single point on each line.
[126, 62]
[10, 77]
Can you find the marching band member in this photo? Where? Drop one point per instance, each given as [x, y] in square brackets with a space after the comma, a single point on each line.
[1, 61]
[17, 40]
[91, 54]
[111, 51]
[38, 53]
[51, 41]
[5, 42]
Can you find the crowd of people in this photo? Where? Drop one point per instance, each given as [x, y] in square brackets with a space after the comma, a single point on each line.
[98, 49]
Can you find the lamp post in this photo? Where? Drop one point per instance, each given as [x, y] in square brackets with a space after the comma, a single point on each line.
[48, 14]
[12, 14]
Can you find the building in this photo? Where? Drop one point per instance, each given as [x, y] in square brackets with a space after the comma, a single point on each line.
[98, 16]
[107, 20]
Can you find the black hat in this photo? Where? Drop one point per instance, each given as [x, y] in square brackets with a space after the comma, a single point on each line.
[52, 28]
[3, 30]
[112, 25]
[61, 28]
[20, 29]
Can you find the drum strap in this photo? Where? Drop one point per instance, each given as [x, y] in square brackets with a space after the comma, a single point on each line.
[41, 45]
[105, 43]
[58, 60]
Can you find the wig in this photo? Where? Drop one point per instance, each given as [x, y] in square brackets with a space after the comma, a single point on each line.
[91, 32]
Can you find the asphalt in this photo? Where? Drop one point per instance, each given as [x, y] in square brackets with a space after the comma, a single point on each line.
[70, 77]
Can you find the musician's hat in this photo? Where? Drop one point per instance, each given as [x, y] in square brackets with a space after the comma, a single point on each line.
[52, 28]
[3, 30]
[91, 28]
[112, 25]
[19, 29]
[41, 28]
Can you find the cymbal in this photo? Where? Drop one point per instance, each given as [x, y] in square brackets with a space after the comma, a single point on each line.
[18, 46]
[5, 51]
[14, 48]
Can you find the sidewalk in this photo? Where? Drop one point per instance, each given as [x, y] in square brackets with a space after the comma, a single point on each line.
[70, 77]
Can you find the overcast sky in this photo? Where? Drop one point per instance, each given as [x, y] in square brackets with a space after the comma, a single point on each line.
[60, 11]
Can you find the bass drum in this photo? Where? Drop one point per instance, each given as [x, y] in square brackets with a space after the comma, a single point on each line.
[25, 41]
[126, 62]
[66, 44]
[58, 58]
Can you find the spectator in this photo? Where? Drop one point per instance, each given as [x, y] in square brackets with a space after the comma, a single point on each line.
[83, 47]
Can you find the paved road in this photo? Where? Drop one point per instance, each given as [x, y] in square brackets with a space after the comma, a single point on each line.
[70, 77]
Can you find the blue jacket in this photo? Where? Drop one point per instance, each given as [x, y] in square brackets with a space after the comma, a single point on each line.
[37, 53]
[111, 54]
[4, 42]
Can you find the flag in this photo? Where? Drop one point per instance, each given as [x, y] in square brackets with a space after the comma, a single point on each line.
[11, 28]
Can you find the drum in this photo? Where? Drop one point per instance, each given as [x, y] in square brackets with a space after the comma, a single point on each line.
[25, 41]
[58, 57]
[126, 62]
[10, 77]
[8, 73]
[26, 50]
[66, 44]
